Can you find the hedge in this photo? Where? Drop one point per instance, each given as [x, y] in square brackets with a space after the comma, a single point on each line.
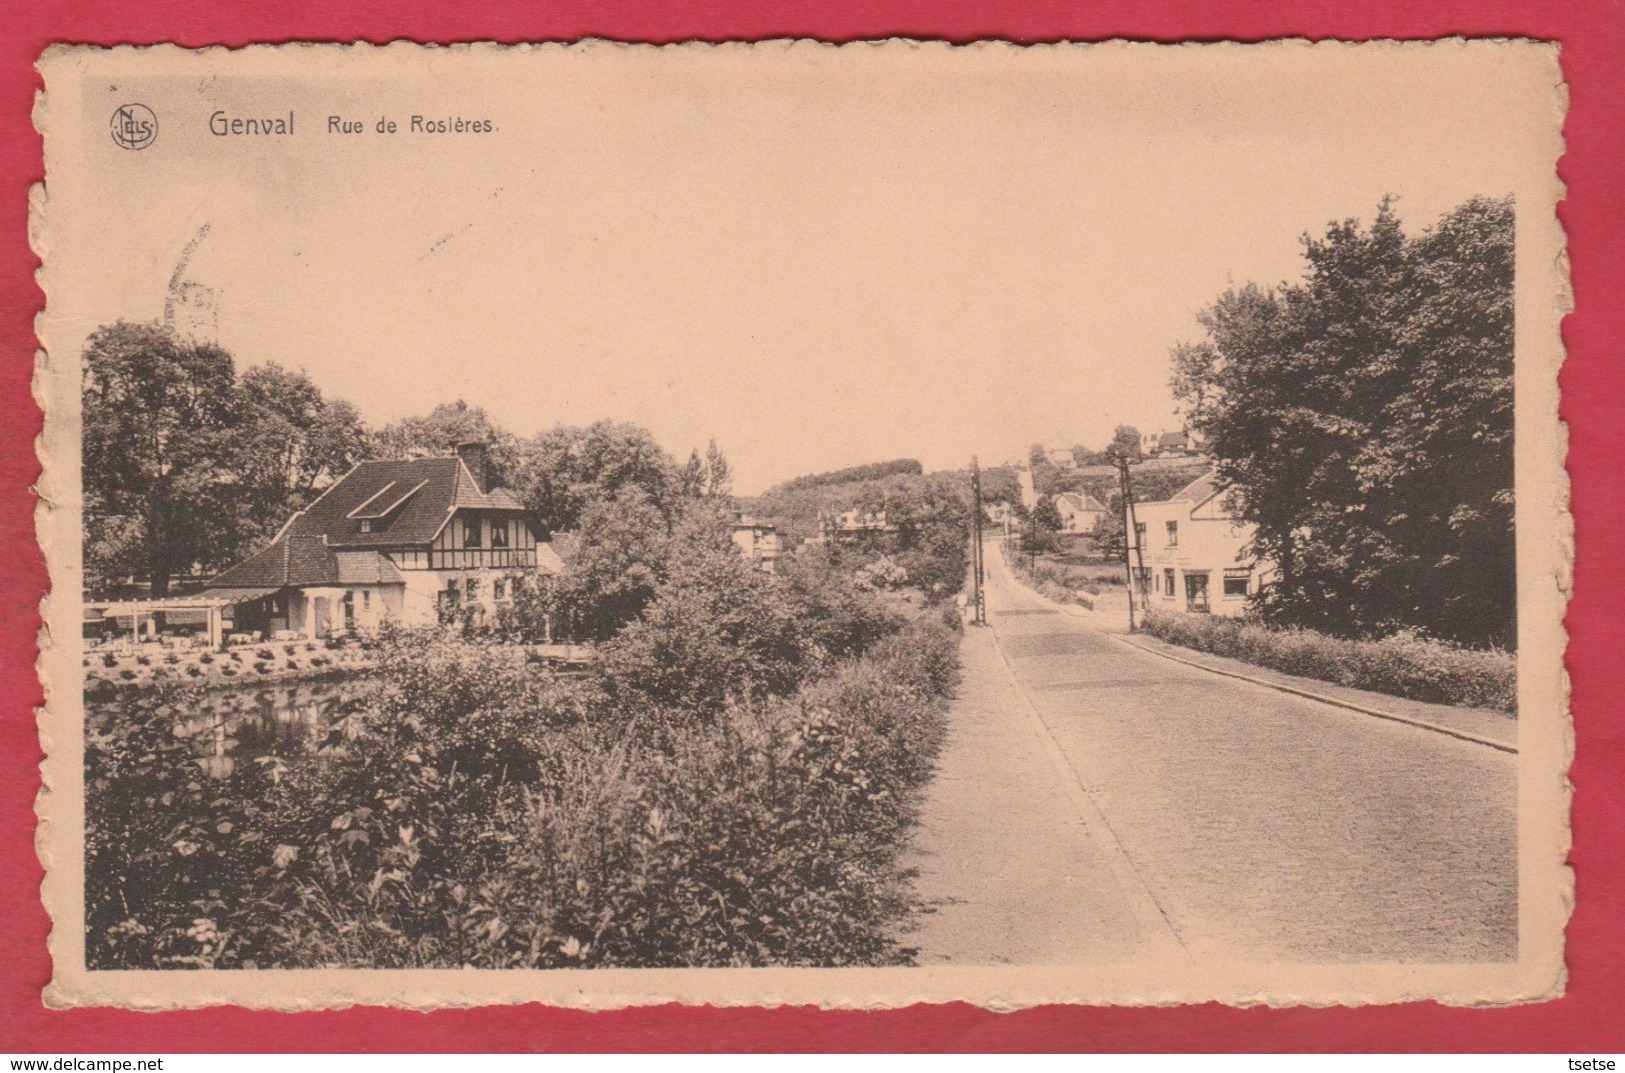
[475, 813]
[1403, 665]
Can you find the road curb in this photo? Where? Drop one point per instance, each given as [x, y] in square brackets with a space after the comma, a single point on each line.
[1377, 713]
[1307, 694]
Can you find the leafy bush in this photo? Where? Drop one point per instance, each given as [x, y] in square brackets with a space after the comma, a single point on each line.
[473, 811]
[1403, 665]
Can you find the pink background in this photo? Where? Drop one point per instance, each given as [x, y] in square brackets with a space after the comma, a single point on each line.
[1592, 1016]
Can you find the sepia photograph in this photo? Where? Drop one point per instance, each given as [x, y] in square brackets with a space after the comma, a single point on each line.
[856, 525]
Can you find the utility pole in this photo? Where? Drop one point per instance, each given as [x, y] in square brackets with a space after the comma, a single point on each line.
[1133, 555]
[979, 605]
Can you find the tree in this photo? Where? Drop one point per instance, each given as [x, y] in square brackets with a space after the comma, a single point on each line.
[691, 480]
[566, 468]
[1125, 443]
[448, 425]
[292, 444]
[159, 416]
[1036, 455]
[623, 553]
[1364, 416]
[718, 475]
[716, 632]
[1000, 485]
[1046, 515]
[1110, 537]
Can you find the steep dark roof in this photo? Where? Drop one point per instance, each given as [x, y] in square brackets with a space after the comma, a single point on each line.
[432, 488]
[300, 560]
[407, 502]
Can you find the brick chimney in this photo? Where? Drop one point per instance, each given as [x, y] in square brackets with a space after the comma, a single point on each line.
[476, 455]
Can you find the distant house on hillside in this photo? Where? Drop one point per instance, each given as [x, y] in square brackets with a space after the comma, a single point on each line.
[758, 541]
[854, 526]
[1080, 512]
[411, 541]
[1062, 457]
[1177, 444]
[1193, 548]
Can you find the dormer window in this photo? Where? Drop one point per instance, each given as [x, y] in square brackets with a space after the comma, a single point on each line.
[499, 533]
[373, 515]
[471, 533]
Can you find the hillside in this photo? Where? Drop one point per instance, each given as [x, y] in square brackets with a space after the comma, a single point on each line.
[1154, 479]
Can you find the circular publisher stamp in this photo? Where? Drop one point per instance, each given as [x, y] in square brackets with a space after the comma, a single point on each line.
[134, 126]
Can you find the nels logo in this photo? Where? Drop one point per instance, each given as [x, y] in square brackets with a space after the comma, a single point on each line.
[134, 126]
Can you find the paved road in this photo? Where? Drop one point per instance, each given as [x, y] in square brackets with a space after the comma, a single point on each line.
[1097, 803]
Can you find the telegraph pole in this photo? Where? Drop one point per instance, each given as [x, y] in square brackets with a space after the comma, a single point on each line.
[979, 605]
[1132, 553]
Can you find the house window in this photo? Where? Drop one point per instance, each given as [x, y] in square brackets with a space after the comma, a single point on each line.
[499, 533]
[1235, 584]
[1173, 534]
[366, 599]
[472, 585]
[1142, 581]
[1196, 592]
[1139, 534]
[1168, 584]
[366, 525]
[499, 587]
[452, 594]
[471, 532]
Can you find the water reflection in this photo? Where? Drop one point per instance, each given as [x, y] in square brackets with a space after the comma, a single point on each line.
[239, 724]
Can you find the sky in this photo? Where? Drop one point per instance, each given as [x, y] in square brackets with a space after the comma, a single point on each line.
[818, 257]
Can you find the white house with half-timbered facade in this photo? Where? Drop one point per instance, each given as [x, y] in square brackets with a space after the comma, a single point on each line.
[413, 541]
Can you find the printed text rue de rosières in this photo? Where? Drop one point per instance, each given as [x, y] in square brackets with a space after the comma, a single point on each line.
[226, 125]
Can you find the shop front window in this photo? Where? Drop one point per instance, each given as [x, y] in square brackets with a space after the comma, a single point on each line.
[1196, 592]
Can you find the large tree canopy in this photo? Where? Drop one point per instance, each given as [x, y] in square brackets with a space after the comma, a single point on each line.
[1365, 415]
[443, 429]
[159, 417]
[186, 465]
[293, 444]
[567, 468]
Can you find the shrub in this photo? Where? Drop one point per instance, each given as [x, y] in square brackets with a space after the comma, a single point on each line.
[1402, 665]
[470, 812]
[716, 632]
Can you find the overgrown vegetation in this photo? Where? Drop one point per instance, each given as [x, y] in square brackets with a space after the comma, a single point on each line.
[1364, 416]
[1402, 665]
[731, 785]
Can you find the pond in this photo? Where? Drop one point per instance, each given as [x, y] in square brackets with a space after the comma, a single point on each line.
[243, 723]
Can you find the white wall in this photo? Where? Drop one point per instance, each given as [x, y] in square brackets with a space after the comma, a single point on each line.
[1207, 545]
